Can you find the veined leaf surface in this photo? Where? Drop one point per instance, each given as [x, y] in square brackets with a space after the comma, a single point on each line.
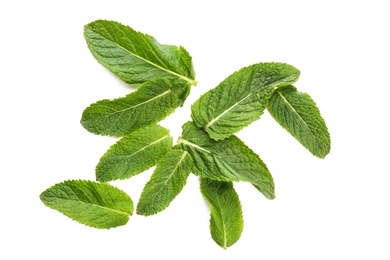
[299, 115]
[165, 184]
[136, 57]
[151, 102]
[241, 98]
[98, 205]
[134, 153]
[226, 160]
[226, 222]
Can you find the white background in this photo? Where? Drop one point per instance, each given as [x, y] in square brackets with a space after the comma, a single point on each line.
[336, 208]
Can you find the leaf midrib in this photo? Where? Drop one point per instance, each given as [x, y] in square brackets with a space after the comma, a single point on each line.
[140, 104]
[191, 81]
[212, 153]
[207, 126]
[146, 146]
[173, 171]
[293, 109]
[223, 223]
[184, 141]
[96, 205]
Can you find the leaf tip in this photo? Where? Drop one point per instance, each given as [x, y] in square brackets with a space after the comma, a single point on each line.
[322, 155]
[141, 211]
[271, 197]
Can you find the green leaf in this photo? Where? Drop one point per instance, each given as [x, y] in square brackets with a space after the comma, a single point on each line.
[226, 160]
[299, 115]
[136, 57]
[241, 98]
[151, 102]
[98, 205]
[167, 181]
[226, 222]
[134, 153]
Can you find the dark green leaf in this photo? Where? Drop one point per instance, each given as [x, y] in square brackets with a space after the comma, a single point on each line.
[136, 57]
[299, 115]
[226, 222]
[226, 160]
[152, 102]
[167, 181]
[134, 153]
[98, 205]
[241, 98]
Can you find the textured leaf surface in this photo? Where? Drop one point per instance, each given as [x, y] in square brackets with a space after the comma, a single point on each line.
[226, 222]
[136, 57]
[226, 160]
[241, 98]
[298, 114]
[150, 103]
[167, 181]
[98, 205]
[134, 153]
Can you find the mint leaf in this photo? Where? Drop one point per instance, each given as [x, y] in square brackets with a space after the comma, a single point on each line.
[226, 160]
[226, 222]
[98, 205]
[299, 115]
[167, 181]
[150, 103]
[134, 153]
[241, 98]
[136, 57]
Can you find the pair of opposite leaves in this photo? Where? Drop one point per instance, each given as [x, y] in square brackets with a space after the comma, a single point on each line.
[207, 147]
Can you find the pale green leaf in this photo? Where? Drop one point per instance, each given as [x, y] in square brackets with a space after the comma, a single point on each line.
[136, 57]
[226, 160]
[226, 222]
[134, 153]
[98, 205]
[299, 115]
[150, 103]
[165, 184]
[241, 98]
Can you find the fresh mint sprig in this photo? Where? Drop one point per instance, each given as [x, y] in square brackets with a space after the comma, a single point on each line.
[207, 147]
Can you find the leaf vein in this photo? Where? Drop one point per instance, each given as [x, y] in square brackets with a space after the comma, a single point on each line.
[224, 112]
[191, 81]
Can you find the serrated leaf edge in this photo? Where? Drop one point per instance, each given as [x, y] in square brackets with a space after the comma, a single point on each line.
[322, 156]
[185, 153]
[292, 108]
[137, 151]
[190, 81]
